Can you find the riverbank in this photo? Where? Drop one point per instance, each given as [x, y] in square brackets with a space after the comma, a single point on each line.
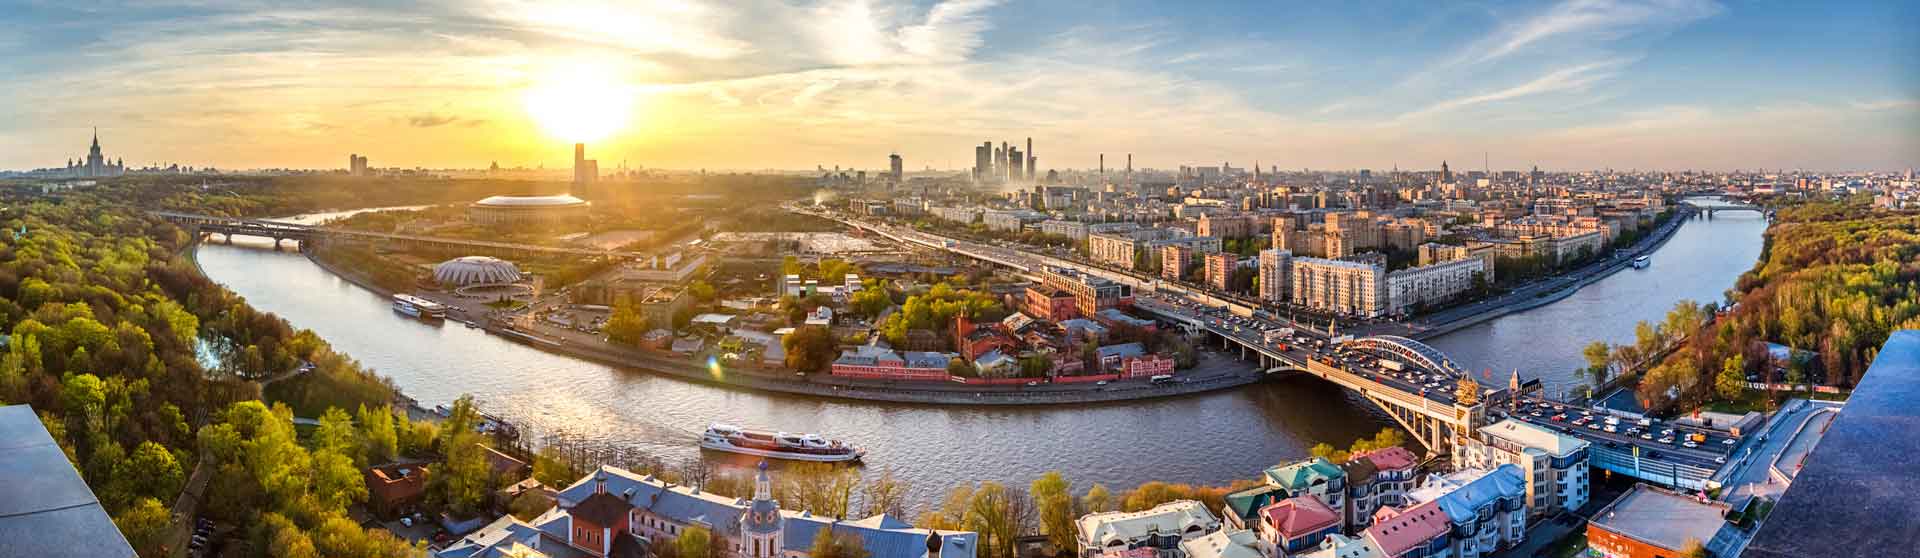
[1580, 280]
[1218, 376]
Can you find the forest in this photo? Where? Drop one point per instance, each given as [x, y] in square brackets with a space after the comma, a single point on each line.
[1835, 278]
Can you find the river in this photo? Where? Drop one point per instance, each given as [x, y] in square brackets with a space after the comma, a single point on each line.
[1211, 438]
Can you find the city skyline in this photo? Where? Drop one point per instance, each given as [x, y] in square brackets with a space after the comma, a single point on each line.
[1574, 85]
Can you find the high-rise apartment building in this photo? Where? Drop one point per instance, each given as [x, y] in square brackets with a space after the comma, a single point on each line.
[896, 168]
[1276, 275]
[1174, 259]
[1350, 288]
[585, 171]
[1220, 268]
[1412, 288]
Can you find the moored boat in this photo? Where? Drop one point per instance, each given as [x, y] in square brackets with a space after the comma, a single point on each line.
[418, 307]
[777, 445]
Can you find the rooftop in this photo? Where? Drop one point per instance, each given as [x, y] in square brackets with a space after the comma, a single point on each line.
[1224, 544]
[1171, 518]
[1409, 529]
[1532, 436]
[45, 509]
[1299, 515]
[1854, 498]
[1663, 518]
[562, 200]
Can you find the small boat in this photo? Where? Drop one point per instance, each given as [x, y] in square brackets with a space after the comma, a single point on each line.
[777, 445]
[1642, 262]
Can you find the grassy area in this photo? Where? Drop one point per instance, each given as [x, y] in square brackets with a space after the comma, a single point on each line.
[1750, 400]
[505, 304]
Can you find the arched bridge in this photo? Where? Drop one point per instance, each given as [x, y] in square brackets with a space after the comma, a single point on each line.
[230, 226]
[1418, 353]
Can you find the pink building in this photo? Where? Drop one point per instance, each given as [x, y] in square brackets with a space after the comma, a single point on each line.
[1297, 524]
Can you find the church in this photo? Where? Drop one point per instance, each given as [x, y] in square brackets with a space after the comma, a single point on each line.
[96, 165]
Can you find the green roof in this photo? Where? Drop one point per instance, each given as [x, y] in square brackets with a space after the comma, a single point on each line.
[1299, 475]
[1245, 502]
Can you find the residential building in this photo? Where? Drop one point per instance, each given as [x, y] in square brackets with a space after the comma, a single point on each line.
[1161, 527]
[1010, 221]
[1091, 294]
[1554, 464]
[1350, 288]
[1421, 531]
[1227, 543]
[1297, 524]
[1276, 275]
[1115, 249]
[1486, 509]
[1649, 522]
[1422, 287]
[1240, 509]
[1174, 260]
[395, 489]
[1145, 366]
[1219, 268]
[1051, 304]
[1342, 546]
[1071, 229]
[870, 361]
[1314, 477]
[1237, 226]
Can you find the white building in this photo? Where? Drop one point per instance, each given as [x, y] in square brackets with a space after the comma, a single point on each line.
[1554, 464]
[1411, 288]
[1276, 275]
[1162, 527]
[1351, 288]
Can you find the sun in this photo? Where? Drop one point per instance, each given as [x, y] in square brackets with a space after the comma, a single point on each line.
[580, 103]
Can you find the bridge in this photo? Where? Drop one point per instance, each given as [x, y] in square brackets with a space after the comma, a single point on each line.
[1711, 208]
[304, 235]
[1430, 409]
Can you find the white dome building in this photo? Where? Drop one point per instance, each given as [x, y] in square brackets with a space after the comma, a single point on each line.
[541, 211]
[475, 270]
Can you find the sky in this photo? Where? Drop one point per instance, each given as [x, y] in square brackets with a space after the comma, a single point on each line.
[757, 84]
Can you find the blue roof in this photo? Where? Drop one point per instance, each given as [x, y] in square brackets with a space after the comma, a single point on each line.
[1463, 504]
[45, 508]
[1122, 350]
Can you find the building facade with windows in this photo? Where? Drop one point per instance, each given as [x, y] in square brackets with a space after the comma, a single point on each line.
[1351, 288]
[1554, 464]
[1425, 286]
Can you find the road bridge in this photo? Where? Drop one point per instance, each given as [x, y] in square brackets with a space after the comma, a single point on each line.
[304, 235]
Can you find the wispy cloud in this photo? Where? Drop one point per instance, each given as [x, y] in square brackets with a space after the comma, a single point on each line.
[1886, 105]
[431, 120]
[1576, 78]
[1591, 19]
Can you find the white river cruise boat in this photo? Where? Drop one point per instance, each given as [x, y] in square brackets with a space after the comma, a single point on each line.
[418, 307]
[777, 445]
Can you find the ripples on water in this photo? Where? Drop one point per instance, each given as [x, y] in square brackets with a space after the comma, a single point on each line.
[1212, 438]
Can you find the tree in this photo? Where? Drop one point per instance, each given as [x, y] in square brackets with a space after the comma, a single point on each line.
[1097, 499]
[952, 513]
[551, 469]
[701, 291]
[463, 479]
[870, 302]
[826, 489]
[694, 542]
[1054, 498]
[837, 544]
[1733, 377]
[336, 481]
[154, 471]
[529, 505]
[884, 495]
[336, 434]
[382, 442]
[997, 514]
[1693, 549]
[1599, 357]
[809, 349]
[625, 325]
[146, 525]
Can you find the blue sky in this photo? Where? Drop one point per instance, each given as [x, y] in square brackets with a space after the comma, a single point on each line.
[1574, 84]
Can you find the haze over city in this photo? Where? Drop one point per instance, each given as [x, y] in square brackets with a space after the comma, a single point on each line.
[1580, 84]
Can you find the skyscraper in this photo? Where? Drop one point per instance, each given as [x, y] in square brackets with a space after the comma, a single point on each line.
[982, 161]
[1029, 159]
[356, 165]
[897, 168]
[585, 171]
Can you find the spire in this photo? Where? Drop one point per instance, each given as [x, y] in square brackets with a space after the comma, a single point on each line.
[762, 485]
[96, 137]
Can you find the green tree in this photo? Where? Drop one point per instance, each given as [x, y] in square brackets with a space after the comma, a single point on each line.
[837, 544]
[382, 441]
[529, 505]
[997, 514]
[1599, 357]
[337, 434]
[625, 325]
[809, 349]
[146, 525]
[154, 471]
[551, 469]
[1097, 499]
[701, 291]
[885, 494]
[694, 542]
[1054, 498]
[1733, 377]
[336, 480]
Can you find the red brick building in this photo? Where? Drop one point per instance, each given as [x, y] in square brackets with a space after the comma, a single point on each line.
[868, 361]
[1146, 366]
[393, 490]
[1051, 304]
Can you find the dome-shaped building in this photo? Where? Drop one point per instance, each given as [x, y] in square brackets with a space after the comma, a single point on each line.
[542, 211]
[475, 270]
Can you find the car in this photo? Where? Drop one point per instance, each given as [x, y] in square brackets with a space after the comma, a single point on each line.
[1667, 432]
[1100, 383]
[1727, 442]
[1689, 443]
[1593, 426]
[1666, 440]
[1031, 384]
[1611, 428]
[1647, 436]
[1721, 460]
[1537, 414]
[1559, 418]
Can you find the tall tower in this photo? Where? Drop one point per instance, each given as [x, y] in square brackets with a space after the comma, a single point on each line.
[1029, 159]
[1446, 175]
[1103, 164]
[761, 525]
[585, 171]
[896, 167]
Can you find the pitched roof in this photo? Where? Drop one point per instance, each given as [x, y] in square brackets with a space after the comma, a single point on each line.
[1178, 516]
[1534, 436]
[1391, 458]
[1341, 546]
[1246, 502]
[1409, 529]
[1299, 515]
[602, 509]
[1300, 475]
[1224, 544]
[1462, 493]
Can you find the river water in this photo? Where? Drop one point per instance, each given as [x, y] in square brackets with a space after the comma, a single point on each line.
[1211, 438]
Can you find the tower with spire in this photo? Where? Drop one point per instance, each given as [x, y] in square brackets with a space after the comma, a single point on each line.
[762, 525]
[96, 164]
